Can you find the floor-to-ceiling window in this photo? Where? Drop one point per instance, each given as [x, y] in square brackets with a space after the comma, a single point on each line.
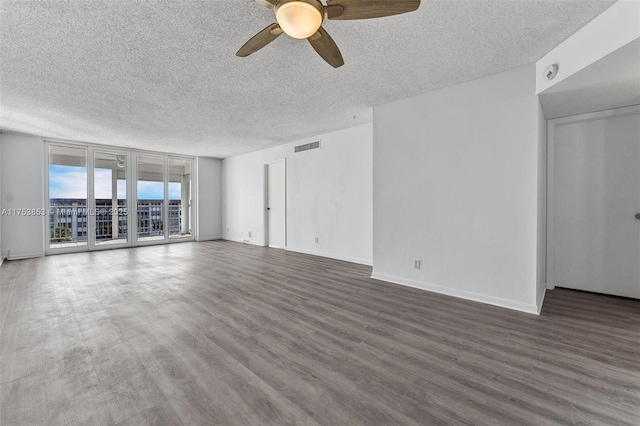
[110, 195]
[68, 197]
[180, 220]
[151, 198]
[101, 197]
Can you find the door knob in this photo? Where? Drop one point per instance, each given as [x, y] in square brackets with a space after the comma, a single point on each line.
[638, 216]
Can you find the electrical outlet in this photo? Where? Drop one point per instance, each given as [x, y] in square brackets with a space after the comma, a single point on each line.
[417, 264]
[249, 234]
[316, 240]
[227, 229]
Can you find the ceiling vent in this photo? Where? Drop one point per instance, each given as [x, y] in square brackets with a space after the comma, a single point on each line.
[307, 146]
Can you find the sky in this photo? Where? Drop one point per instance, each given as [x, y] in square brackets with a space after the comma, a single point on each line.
[71, 182]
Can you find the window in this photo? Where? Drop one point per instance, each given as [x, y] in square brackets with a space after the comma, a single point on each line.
[180, 198]
[93, 205]
[110, 195]
[68, 196]
[151, 198]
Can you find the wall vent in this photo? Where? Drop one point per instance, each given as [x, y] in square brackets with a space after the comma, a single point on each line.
[307, 146]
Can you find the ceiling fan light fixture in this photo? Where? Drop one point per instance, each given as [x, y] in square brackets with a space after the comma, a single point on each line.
[298, 19]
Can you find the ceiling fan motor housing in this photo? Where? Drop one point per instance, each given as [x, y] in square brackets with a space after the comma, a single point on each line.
[315, 3]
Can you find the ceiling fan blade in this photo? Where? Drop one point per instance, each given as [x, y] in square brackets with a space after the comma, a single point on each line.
[367, 9]
[327, 48]
[260, 40]
[266, 3]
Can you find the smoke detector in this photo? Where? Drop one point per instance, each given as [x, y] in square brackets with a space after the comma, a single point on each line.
[551, 71]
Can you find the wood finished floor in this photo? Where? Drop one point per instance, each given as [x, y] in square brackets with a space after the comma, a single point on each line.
[225, 333]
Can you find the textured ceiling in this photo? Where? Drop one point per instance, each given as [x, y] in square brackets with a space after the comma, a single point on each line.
[163, 75]
[611, 82]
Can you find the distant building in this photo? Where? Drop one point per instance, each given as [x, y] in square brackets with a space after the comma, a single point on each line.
[68, 219]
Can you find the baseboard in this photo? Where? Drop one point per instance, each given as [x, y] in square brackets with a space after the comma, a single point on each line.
[330, 256]
[25, 256]
[304, 251]
[540, 300]
[253, 243]
[209, 239]
[462, 294]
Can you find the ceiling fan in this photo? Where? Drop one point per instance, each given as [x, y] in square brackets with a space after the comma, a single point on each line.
[303, 19]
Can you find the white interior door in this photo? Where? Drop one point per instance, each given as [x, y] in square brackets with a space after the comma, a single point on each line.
[276, 204]
[595, 197]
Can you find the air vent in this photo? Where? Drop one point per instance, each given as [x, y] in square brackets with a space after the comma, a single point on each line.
[307, 146]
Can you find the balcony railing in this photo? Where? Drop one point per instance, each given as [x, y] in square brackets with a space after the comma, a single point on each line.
[68, 223]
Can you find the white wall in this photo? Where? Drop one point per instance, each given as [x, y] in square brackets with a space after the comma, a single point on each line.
[22, 188]
[329, 195]
[456, 175]
[209, 198]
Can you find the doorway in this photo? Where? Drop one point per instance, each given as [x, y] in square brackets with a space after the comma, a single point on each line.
[276, 204]
[594, 202]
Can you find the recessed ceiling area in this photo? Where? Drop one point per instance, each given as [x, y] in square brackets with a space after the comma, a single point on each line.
[163, 76]
[611, 82]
